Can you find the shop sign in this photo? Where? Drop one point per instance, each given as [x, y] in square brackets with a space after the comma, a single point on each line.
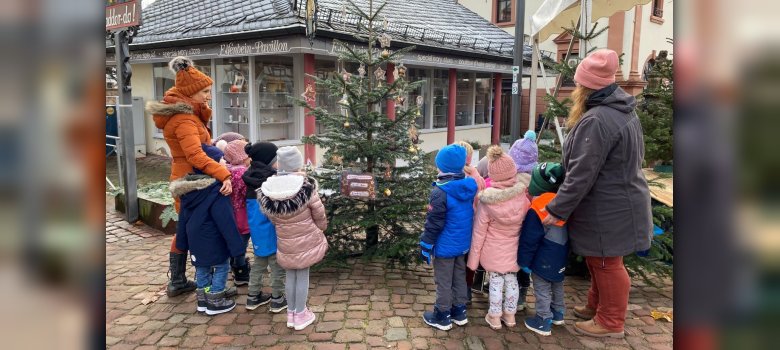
[227, 49]
[123, 15]
[358, 186]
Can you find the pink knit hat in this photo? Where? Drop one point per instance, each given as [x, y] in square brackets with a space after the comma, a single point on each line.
[501, 167]
[234, 152]
[597, 71]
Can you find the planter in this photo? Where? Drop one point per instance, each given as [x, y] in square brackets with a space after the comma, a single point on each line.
[149, 212]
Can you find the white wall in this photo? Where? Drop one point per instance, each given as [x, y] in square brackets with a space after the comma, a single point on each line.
[480, 7]
[143, 86]
[653, 34]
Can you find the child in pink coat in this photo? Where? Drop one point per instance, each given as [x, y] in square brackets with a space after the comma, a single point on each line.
[500, 213]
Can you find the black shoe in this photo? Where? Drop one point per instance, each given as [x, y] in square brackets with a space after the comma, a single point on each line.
[278, 304]
[216, 303]
[241, 274]
[178, 284]
[254, 301]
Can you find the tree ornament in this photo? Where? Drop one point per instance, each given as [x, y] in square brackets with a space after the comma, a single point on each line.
[395, 73]
[415, 158]
[384, 23]
[385, 53]
[399, 100]
[412, 149]
[402, 70]
[420, 100]
[388, 192]
[379, 73]
[344, 101]
[346, 124]
[384, 40]
[345, 75]
[362, 70]
[388, 173]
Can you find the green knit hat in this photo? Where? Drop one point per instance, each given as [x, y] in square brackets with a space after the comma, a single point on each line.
[546, 177]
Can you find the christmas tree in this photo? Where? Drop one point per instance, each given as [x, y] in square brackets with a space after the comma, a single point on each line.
[385, 216]
[656, 111]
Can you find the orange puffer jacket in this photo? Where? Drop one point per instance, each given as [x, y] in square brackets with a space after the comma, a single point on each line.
[497, 222]
[183, 123]
[292, 204]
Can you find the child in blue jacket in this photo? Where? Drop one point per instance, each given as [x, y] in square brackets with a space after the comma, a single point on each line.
[447, 237]
[544, 250]
[208, 230]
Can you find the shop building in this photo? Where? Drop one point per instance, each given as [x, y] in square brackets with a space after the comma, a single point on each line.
[258, 55]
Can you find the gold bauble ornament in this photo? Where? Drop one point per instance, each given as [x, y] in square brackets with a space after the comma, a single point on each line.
[415, 158]
[412, 149]
[385, 53]
[346, 124]
[388, 192]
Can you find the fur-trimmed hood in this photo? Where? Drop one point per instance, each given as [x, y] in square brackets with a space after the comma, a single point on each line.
[496, 195]
[189, 183]
[162, 112]
[286, 195]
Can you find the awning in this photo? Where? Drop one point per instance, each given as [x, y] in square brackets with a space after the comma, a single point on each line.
[555, 14]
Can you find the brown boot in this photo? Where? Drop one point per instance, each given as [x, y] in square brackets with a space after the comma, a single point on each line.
[584, 312]
[594, 329]
[508, 319]
[493, 321]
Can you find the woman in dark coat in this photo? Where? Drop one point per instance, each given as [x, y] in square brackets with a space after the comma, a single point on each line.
[604, 198]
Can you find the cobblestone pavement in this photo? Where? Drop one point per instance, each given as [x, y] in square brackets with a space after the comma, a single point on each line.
[366, 306]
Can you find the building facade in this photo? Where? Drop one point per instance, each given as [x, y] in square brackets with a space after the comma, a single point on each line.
[259, 56]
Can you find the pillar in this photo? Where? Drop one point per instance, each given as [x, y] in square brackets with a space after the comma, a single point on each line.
[634, 85]
[615, 37]
[390, 79]
[309, 122]
[451, 97]
[497, 88]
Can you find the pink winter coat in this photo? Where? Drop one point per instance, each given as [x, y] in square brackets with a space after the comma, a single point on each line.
[497, 222]
[238, 198]
[292, 204]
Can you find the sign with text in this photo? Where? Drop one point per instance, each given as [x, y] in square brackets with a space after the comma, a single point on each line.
[358, 186]
[123, 15]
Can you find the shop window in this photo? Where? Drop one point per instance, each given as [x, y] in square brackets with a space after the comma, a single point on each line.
[441, 87]
[275, 114]
[164, 79]
[503, 11]
[423, 121]
[232, 96]
[326, 69]
[483, 98]
[464, 100]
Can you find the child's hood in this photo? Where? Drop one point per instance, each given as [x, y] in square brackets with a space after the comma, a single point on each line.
[194, 187]
[287, 194]
[462, 189]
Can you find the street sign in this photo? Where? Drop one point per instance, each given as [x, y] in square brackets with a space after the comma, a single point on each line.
[514, 88]
[515, 69]
[123, 15]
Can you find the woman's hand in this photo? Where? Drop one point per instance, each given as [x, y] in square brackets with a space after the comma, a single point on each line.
[549, 219]
[227, 187]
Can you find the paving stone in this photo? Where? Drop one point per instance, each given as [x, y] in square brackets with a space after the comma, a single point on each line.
[396, 322]
[394, 334]
[349, 336]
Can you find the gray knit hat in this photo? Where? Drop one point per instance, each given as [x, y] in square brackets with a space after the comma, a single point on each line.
[289, 159]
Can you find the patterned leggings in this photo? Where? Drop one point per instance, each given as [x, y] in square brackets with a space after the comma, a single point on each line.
[503, 284]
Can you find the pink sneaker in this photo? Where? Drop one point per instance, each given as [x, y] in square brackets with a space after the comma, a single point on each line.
[290, 319]
[304, 319]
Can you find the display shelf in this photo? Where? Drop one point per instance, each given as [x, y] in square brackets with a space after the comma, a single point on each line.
[228, 107]
[237, 123]
[235, 93]
[277, 123]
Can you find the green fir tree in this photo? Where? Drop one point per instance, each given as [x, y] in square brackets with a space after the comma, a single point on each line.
[362, 139]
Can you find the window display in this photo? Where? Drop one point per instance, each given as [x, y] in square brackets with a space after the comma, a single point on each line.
[233, 95]
[441, 88]
[483, 99]
[324, 69]
[412, 75]
[273, 87]
[464, 103]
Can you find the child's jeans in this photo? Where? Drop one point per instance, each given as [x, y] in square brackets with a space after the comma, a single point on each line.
[504, 291]
[297, 288]
[259, 268]
[214, 276]
[549, 296]
[240, 261]
[450, 277]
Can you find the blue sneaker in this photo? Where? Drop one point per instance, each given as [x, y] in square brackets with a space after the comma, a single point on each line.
[539, 325]
[438, 319]
[458, 315]
[558, 318]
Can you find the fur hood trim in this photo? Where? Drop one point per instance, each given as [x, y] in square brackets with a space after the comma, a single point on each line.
[189, 183]
[168, 109]
[496, 195]
[286, 195]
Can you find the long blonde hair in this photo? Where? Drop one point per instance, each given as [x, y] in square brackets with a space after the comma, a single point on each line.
[579, 97]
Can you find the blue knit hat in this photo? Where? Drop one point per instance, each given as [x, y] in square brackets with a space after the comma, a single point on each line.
[451, 159]
[212, 152]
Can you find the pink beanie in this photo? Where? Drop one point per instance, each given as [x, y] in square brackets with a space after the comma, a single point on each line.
[234, 152]
[597, 71]
[501, 167]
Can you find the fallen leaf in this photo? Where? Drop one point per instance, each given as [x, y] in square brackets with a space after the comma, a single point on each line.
[656, 314]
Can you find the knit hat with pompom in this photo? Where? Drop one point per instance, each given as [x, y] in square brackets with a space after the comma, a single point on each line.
[189, 79]
[525, 153]
[234, 152]
[501, 167]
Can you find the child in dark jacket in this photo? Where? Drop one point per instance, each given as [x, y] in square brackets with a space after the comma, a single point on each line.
[261, 167]
[447, 237]
[544, 250]
[208, 230]
[237, 162]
